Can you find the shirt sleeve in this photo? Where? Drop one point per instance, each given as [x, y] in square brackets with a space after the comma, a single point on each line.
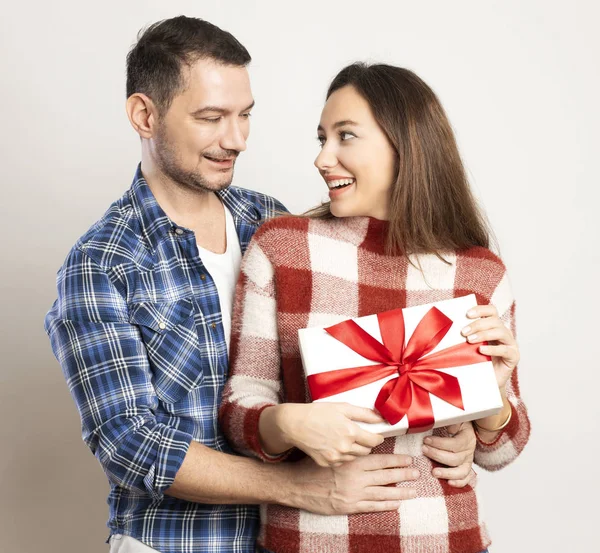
[106, 367]
[512, 439]
[255, 369]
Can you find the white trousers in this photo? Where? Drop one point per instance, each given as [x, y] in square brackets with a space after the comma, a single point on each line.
[126, 544]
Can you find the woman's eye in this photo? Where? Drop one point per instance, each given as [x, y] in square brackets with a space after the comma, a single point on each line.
[321, 140]
[346, 135]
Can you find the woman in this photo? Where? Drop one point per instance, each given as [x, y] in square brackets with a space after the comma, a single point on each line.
[401, 229]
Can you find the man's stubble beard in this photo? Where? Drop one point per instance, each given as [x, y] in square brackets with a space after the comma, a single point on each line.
[168, 162]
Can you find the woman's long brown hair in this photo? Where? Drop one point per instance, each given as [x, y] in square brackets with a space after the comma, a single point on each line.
[432, 209]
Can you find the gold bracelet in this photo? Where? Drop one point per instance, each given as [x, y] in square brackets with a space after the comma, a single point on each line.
[503, 425]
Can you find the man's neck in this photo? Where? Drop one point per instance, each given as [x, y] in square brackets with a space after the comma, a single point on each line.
[200, 211]
[183, 206]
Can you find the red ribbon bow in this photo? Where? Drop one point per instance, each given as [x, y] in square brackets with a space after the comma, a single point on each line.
[408, 393]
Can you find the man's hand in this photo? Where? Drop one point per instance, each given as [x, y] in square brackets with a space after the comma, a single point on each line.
[327, 432]
[455, 451]
[358, 486]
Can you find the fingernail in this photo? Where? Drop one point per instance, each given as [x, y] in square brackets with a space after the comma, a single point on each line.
[414, 474]
[425, 449]
[437, 473]
[412, 493]
[466, 330]
[472, 338]
[472, 313]
[428, 440]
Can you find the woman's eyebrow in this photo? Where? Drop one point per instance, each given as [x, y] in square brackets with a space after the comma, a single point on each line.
[338, 124]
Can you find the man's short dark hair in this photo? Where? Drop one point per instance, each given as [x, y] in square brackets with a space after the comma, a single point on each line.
[154, 63]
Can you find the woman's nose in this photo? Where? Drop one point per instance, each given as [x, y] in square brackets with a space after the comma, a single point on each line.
[326, 159]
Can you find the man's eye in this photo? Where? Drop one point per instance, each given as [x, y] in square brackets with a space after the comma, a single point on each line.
[246, 115]
[211, 119]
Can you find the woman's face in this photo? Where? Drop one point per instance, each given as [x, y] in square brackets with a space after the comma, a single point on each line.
[357, 161]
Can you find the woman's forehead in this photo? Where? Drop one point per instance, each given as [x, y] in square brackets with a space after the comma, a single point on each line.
[346, 106]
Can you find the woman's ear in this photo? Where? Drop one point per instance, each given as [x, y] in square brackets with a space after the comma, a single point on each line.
[142, 114]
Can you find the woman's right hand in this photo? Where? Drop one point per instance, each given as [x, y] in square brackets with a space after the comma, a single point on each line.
[328, 432]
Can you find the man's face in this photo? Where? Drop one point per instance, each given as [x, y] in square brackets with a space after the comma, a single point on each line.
[199, 138]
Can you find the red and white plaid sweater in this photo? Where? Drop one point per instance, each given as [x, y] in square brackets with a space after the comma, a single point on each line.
[301, 272]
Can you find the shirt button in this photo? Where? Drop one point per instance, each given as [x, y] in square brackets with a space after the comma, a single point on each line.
[162, 326]
[202, 277]
[179, 231]
[213, 326]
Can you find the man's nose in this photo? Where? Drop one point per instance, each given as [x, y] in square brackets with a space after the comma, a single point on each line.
[234, 138]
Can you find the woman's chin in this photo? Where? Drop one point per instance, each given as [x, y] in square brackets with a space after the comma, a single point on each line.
[339, 210]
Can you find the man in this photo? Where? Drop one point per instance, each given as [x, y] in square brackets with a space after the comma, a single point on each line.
[142, 320]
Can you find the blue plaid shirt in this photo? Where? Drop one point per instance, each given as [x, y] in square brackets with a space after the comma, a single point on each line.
[138, 333]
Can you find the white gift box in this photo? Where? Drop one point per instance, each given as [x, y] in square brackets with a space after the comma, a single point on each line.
[321, 353]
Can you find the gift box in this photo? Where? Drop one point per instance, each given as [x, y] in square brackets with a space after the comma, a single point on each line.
[411, 365]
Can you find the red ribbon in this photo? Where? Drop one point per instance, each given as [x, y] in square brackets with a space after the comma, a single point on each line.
[408, 393]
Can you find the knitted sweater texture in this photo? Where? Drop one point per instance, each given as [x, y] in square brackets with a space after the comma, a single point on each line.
[301, 272]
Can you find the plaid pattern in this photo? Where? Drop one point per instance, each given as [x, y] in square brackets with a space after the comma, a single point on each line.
[299, 273]
[137, 330]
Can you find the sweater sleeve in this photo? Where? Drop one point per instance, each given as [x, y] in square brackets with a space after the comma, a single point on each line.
[254, 374]
[513, 438]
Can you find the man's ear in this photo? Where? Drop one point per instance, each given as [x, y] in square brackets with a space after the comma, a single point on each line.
[142, 114]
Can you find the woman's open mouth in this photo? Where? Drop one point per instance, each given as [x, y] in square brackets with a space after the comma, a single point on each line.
[338, 186]
[339, 183]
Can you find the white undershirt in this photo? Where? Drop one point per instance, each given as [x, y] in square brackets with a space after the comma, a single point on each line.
[224, 268]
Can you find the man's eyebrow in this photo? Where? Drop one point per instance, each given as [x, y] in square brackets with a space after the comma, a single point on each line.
[338, 124]
[210, 109]
[217, 109]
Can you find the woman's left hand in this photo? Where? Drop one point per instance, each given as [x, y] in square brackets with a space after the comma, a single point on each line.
[455, 452]
[502, 345]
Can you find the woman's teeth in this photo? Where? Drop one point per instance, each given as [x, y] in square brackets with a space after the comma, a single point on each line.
[339, 183]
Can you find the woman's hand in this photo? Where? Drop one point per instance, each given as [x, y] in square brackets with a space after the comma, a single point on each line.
[328, 432]
[502, 346]
[455, 451]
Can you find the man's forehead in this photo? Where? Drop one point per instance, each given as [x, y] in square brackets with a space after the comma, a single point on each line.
[214, 83]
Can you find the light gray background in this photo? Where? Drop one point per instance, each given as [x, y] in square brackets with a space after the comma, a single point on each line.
[520, 82]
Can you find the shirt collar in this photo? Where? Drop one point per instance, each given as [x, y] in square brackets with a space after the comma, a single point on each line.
[240, 207]
[156, 225]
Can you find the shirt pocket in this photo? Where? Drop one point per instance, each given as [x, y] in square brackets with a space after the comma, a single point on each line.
[169, 333]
